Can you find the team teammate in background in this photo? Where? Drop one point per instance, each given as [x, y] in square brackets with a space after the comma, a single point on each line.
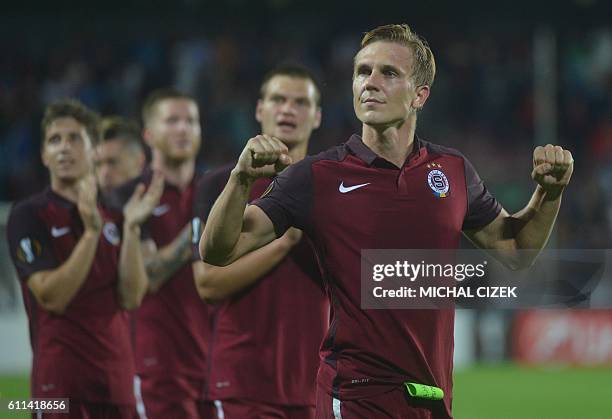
[79, 274]
[263, 357]
[171, 326]
[120, 155]
[373, 193]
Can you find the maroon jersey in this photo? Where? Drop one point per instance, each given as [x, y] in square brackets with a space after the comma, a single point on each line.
[84, 353]
[266, 339]
[171, 326]
[348, 199]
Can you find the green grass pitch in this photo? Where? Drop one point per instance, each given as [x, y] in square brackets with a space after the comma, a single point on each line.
[11, 387]
[512, 392]
[488, 392]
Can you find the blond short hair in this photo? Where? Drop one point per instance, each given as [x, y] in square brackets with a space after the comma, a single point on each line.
[424, 70]
[157, 96]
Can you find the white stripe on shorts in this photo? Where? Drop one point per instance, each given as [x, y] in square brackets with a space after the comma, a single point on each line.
[337, 414]
[220, 412]
[140, 407]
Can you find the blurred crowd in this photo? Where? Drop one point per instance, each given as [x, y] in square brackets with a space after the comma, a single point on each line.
[482, 100]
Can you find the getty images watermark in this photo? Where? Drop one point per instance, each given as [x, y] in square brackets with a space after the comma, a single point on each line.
[448, 271]
[407, 279]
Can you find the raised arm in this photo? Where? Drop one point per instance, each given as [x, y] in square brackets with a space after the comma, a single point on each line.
[54, 289]
[530, 228]
[231, 231]
[133, 280]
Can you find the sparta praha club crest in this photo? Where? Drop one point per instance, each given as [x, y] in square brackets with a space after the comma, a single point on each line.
[438, 183]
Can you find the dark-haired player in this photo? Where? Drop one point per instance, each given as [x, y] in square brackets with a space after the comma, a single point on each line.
[79, 273]
[120, 155]
[267, 331]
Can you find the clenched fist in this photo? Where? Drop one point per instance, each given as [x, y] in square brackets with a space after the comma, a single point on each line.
[552, 169]
[263, 156]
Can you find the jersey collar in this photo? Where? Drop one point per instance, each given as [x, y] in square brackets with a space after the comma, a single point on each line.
[356, 145]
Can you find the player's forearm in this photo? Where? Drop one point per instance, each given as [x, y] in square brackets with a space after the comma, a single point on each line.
[224, 224]
[553, 168]
[56, 288]
[517, 239]
[215, 283]
[528, 231]
[537, 220]
[161, 265]
[132, 274]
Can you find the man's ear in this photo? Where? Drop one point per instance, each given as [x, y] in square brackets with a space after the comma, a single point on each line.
[318, 116]
[258, 110]
[43, 154]
[147, 136]
[422, 94]
[43, 157]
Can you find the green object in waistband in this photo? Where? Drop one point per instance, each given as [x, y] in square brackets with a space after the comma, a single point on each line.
[423, 391]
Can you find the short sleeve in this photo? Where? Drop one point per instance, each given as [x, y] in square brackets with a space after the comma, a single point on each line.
[29, 241]
[482, 206]
[288, 199]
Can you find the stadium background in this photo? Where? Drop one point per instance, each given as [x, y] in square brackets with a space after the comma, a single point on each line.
[508, 77]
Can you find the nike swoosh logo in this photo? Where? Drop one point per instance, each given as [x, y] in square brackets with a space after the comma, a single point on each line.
[59, 232]
[345, 189]
[161, 210]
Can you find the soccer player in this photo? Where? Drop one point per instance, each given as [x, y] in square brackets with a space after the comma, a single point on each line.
[264, 349]
[79, 274]
[120, 156]
[171, 326]
[373, 193]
